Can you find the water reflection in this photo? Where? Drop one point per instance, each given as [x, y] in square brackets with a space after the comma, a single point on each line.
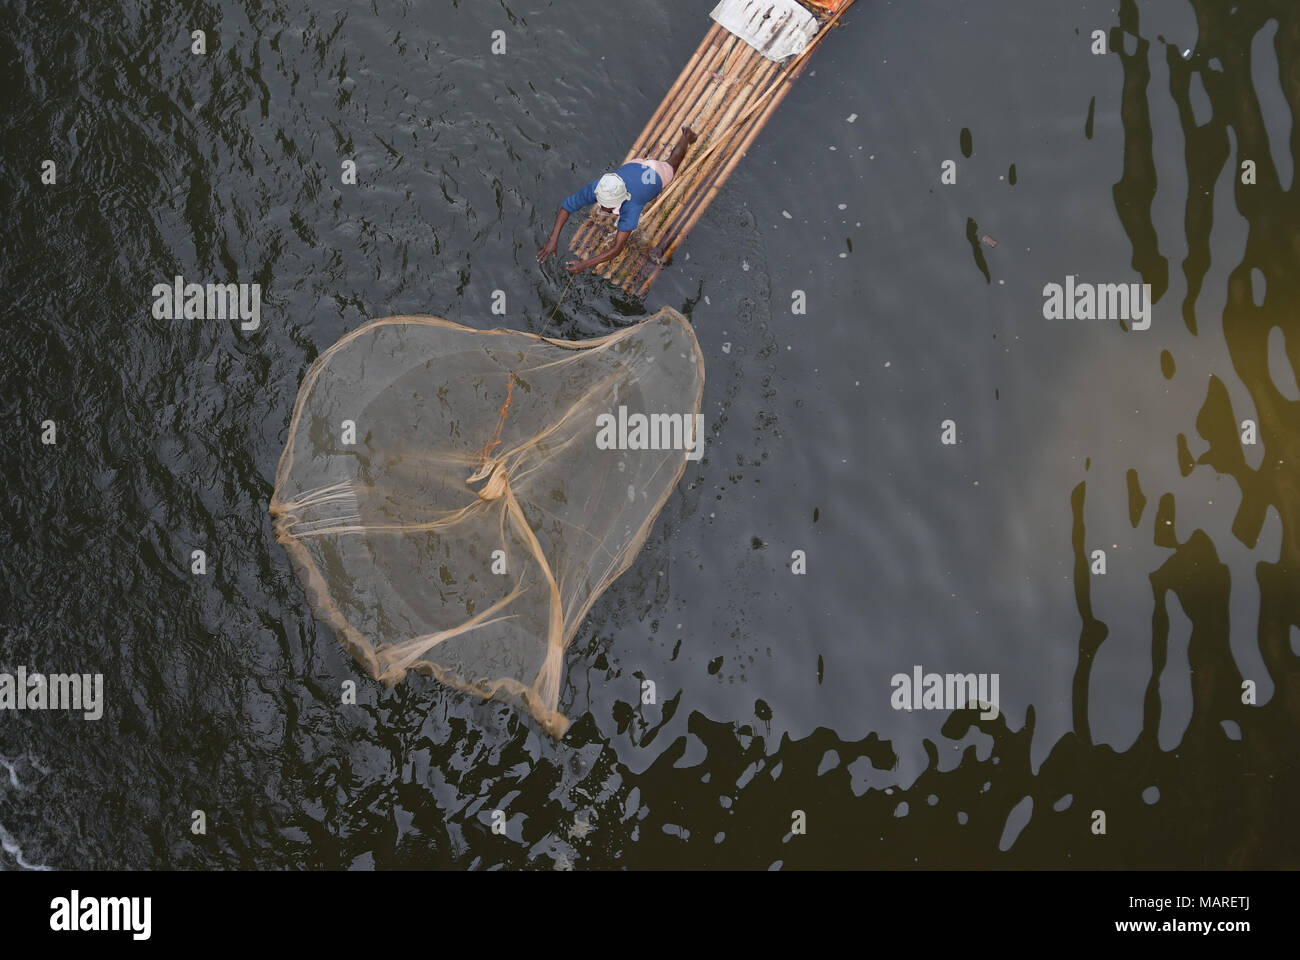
[230, 692]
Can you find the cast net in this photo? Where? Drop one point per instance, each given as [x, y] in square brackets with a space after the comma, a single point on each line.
[455, 500]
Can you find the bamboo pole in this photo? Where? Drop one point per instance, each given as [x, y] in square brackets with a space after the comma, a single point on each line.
[587, 233]
[722, 77]
[709, 123]
[621, 269]
[773, 97]
[688, 75]
[703, 173]
[687, 71]
[588, 230]
[696, 96]
[751, 73]
[701, 95]
[746, 75]
[658, 215]
[707, 197]
[793, 70]
[728, 113]
[586, 240]
[665, 215]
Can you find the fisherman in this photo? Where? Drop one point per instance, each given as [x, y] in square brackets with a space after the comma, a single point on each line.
[624, 192]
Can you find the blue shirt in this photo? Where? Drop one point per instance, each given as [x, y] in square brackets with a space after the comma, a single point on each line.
[642, 182]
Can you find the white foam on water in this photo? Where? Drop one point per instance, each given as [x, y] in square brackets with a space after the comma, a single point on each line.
[10, 846]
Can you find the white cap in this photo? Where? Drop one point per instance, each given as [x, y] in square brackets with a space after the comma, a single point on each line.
[611, 190]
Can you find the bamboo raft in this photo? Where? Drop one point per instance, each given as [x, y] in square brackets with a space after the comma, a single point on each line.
[727, 92]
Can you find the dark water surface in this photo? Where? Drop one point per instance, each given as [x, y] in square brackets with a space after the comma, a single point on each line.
[1120, 693]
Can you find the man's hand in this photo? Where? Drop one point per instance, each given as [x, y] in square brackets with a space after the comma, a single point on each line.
[620, 241]
[690, 135]
[550, 246]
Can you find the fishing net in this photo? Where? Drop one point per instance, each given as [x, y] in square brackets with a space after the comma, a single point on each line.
[455, 500]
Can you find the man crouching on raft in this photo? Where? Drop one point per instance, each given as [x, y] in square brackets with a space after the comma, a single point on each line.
[626, 192]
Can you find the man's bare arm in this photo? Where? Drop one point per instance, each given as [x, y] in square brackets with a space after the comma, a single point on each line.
[620, 241]
[551, 245]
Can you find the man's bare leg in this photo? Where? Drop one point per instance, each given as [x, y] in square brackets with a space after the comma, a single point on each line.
[675, 158]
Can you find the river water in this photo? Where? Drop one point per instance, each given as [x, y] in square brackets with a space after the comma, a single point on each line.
[1147, 714]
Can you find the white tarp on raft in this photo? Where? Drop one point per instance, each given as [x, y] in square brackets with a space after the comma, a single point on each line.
[775, 28]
